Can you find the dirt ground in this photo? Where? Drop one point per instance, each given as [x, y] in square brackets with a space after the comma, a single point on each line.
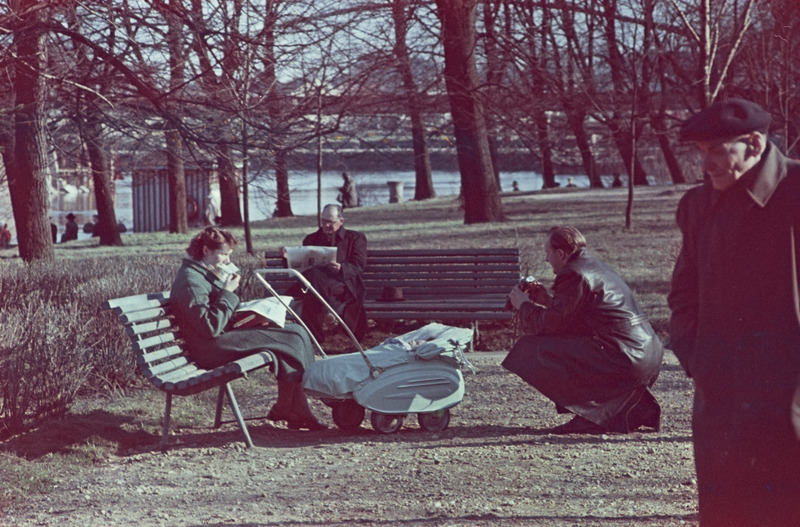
[496, 464]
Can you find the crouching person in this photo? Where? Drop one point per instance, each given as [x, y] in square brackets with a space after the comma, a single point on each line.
[588, 347]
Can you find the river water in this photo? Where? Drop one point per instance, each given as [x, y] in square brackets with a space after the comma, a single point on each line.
[373, 189]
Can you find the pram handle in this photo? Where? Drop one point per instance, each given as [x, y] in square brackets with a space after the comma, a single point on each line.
[374, 372]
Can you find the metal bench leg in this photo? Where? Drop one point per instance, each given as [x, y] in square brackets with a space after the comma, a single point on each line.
[238, 415]
[165, 428]
[220, 401]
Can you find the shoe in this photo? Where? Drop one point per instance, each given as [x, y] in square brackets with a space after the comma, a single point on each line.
[277, 414]
[308, 423]
[646, 413]
[578, 425]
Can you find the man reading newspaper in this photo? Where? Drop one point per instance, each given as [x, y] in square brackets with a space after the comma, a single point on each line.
[339, 282]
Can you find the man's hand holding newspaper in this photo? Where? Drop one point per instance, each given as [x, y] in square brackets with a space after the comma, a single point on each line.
[304, 257]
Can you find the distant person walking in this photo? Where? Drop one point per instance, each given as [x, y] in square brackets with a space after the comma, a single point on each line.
[5, 236]
[348, 193]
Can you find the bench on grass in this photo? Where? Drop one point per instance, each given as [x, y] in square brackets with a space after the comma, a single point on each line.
[437, 284]
[162, 358]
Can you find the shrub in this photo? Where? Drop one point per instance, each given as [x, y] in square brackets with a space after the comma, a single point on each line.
[43, 362]
[58, 341]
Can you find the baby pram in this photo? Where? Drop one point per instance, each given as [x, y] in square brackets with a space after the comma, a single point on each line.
[418, 372]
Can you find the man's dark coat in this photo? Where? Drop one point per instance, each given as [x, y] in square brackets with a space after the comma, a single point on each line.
[735, 328]
[351, 253]
[592, 351]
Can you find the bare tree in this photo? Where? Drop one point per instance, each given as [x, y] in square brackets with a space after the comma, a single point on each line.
[401, 12]
[478, 183]
[717, 31]
[25, 160]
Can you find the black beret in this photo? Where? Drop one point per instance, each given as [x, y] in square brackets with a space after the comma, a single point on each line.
[726, 118]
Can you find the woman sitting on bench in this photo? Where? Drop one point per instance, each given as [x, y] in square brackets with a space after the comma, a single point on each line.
[203, 301]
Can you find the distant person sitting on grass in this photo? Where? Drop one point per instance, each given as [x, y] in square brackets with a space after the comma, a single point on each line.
[590, 349]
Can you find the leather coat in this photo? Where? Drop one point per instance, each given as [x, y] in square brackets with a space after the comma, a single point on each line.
[593, 349]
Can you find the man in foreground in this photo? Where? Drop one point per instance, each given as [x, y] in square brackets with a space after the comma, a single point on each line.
[735, 323]
[340, 283]
[590, 349]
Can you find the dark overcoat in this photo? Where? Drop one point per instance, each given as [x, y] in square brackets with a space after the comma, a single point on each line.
[735, 328]
[351, 253]
[203, 308]
[592, 352]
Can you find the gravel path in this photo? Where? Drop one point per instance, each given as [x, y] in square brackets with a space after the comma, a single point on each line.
[496, 464]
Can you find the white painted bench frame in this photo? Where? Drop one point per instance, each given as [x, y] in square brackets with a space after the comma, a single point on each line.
[163, 360]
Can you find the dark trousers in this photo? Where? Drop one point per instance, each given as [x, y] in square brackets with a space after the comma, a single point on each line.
[337, 296]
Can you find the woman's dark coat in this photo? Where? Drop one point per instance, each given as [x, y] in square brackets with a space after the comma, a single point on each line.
[735, 328]
[203, 307]
[592, 351]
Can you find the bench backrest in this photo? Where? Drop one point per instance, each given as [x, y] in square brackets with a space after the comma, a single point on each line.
[154, 339]
[430, 274]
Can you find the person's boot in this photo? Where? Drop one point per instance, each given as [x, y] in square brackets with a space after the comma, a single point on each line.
[283, 409]
[304, 418]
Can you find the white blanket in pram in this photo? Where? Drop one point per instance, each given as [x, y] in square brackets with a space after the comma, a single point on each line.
[341, 375]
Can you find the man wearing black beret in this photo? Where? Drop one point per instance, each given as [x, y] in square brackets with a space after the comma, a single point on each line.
[735, 324]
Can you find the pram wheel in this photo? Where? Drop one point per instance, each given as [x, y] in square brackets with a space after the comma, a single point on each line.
[434, 421]
[347, 414]
[386, 423]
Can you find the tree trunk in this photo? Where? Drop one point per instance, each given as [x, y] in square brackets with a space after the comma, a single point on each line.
[178, 221]
[422, 163]
[27, 178]
[660, 130]
[623, 138]
[176, 177]
[543, 142]
[575, 120]
[478, 184]
[107, 227]
[283, 205]
[230, 208]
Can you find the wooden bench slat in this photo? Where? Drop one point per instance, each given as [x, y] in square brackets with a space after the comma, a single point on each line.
[437, 283]
[131, 317]
[149, 326]
[145, 299]
[156, 340]
[150, 357]
[162, 368]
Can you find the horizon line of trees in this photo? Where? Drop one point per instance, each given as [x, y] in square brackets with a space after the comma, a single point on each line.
[245, 84]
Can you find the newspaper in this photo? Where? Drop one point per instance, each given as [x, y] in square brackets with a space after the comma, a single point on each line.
[301, 258]
[264, 311]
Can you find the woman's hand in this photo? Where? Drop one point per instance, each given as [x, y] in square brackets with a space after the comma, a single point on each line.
[232, 282]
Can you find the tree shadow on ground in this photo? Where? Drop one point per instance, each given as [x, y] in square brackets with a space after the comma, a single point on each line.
[66, 435]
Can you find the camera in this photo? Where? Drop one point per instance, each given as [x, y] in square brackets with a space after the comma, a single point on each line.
[527, 285]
